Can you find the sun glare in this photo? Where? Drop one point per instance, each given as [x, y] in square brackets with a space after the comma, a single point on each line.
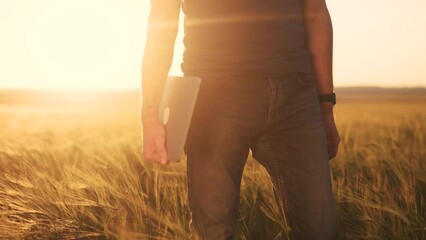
[80, 44]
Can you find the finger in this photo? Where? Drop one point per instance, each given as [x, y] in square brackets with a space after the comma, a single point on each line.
[154, 158]
[332, 152]
[149, 154]
[332, 148]
[161, 151]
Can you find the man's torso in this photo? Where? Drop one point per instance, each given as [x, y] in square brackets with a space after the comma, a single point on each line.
[244, 37]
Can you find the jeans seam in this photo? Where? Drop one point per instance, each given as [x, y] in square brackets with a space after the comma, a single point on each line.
[281, 185]
[192, 223]
[272, 95]
[274, 165]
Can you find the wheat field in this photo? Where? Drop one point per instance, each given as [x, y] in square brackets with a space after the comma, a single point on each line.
[71, 169]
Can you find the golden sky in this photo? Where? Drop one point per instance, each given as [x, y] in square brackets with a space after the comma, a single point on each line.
[91, 44]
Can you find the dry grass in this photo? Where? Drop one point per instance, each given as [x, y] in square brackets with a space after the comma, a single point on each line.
[75, 172]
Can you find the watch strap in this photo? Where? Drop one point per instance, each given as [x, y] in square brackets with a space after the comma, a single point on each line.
[330, 97]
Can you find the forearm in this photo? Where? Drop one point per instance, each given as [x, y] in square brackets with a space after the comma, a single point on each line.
[155, 67]
[320, 43]
[162, 29]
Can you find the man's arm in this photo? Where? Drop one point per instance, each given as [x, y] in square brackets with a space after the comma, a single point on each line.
[162, 30]
[319, 32]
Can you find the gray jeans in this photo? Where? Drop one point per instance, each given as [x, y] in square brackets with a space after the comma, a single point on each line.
[279, 120]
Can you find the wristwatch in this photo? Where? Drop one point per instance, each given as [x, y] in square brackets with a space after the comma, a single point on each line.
[331, 97]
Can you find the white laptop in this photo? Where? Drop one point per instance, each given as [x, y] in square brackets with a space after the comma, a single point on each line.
[176, 108]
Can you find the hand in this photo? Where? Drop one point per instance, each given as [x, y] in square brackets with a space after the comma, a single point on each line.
[333, 138]
[154, 142]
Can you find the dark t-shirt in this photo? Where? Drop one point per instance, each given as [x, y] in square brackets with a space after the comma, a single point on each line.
[244, 37]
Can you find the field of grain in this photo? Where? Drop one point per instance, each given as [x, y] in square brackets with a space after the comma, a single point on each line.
[71, 169]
